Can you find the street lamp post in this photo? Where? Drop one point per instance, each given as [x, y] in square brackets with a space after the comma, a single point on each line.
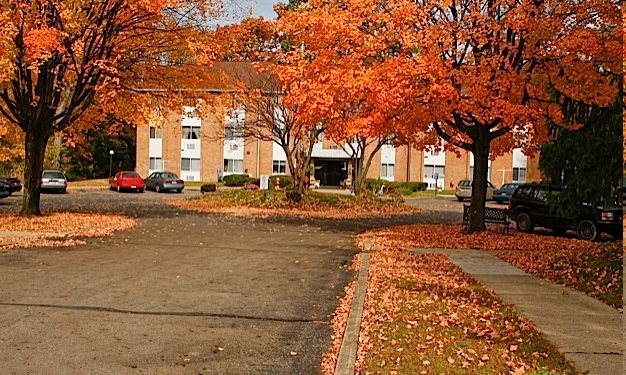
[111, 152]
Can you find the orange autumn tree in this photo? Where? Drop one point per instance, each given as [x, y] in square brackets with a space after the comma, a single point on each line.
[475, 72]
[66, 63]
[267, 91]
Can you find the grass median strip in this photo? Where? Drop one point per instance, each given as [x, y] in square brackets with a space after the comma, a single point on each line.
[424, 315]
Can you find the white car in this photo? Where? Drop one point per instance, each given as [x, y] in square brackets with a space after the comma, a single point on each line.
[52, 180]
[464, 190]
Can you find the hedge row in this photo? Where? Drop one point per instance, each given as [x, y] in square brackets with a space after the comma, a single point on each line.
[406, 188]
[286, 182]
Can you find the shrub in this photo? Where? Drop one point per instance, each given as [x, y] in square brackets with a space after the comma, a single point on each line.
[407, 188]
[286, 182]
[208, 188]
[236, 179]
[253, 187]
[254, 181]
[375, 184]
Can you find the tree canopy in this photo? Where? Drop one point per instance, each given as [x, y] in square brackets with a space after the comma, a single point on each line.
[475, 72]
[73, 62]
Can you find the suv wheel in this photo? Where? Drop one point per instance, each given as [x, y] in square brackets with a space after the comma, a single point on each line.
[525, 223]
[587, 230]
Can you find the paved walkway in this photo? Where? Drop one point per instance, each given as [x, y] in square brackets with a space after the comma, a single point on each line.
[587, 331]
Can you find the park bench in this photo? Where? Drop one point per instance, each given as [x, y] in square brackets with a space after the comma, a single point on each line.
[492, 215]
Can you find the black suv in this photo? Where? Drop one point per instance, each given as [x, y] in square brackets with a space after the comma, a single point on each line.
[537, 204]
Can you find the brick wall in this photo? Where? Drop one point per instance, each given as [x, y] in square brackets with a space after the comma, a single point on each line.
[457, 168]
[142, 152]
[171, 141]
[501, 167]
[212, 146]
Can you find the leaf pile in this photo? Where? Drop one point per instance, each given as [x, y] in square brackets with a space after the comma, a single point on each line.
[424, 315]
[268, 203]
[594, 268]
[58, 229]
[597, 272]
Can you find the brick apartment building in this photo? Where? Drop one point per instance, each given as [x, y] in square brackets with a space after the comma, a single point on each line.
[196, 148]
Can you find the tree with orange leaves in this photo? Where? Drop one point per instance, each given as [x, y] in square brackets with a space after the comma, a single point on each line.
[475, 72]
[64, 63]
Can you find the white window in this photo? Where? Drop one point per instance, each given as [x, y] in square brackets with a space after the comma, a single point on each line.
[191, 132]
[430, 170]
[190, 165]
[156, 164]
[156, 133]
[279, 167]
[387, 170]
[235, 124]
[519, 174]
[233, 165]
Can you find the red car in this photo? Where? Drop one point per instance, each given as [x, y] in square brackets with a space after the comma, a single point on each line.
[127, 180]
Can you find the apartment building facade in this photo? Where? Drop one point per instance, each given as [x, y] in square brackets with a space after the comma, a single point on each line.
[188, 146]
[201, 147]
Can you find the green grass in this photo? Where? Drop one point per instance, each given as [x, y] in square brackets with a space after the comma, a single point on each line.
[464, 329]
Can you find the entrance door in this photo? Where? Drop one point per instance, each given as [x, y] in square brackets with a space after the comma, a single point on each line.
[331, 172]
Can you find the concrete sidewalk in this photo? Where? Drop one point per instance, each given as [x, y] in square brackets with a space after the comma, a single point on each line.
[586, 330]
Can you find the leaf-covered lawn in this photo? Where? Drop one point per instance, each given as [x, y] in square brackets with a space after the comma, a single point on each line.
[58, 229]
[424, 315]
[266, 203]
[594, 268]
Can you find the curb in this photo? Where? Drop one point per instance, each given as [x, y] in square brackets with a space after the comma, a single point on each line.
[349, 344]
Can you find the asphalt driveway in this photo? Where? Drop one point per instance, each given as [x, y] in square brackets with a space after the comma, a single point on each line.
[182, 293]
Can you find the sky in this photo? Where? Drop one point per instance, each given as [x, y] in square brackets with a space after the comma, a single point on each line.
[264, 8]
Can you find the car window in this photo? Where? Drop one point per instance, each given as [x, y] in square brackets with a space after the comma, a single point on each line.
[524, 192]
[169, 175]
[53, 175]
[131, 175]
[465, 183]
[542, 195]
[489, 184]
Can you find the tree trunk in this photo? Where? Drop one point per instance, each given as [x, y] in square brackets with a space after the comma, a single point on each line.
[480, 150]
[35, 147]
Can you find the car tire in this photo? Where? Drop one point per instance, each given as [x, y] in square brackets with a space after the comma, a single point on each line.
[158, 189]
[64, 191]
[111, 187]
[141, 190]
[525, 223]
[459, 199]
[587, 230]
[179, 191]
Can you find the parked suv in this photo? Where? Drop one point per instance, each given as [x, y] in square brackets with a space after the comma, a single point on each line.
[538, 205]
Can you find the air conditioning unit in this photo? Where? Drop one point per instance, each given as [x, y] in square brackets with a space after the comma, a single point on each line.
[234, 147]
[191, 146]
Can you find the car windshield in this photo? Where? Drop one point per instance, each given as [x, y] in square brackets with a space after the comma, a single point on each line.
[53, 175]
[508, 186]
[465, 183]
[168, 175]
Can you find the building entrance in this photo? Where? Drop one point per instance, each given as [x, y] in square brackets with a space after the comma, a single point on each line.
[331, 172]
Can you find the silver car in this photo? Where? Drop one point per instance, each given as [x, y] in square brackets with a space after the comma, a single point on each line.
[464, 190]
[52, 180]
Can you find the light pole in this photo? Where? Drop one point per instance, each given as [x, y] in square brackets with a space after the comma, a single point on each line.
[111, 152]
